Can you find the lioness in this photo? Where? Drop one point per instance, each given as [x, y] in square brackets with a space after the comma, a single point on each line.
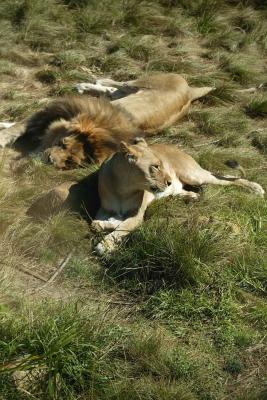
[77, 130]
[137, 174]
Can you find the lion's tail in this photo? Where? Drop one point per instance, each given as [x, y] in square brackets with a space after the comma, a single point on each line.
[196, 93]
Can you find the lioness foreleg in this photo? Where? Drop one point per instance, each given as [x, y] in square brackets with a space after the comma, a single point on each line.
[105, 221]
[110, 242]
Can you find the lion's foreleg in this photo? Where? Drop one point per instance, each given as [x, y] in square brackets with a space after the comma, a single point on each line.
[119, 85]
[95, 88]
[108, 87]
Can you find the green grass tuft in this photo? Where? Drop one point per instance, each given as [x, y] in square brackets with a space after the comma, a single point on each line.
[259, 140]
[47, 76]
[257, 108]
[238, 71]
[220, 121]
[221, 95]
[64, 351]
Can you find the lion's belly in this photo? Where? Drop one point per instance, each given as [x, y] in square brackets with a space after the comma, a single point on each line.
[154, 111]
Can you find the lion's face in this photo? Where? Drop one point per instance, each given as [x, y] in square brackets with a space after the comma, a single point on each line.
[67, 147]
[70, 152]
[148, 172]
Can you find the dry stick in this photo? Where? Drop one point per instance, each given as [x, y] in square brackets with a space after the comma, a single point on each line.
[58, 271]
[28, 393]
[122, 303]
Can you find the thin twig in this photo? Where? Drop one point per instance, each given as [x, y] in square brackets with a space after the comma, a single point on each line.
[26, 392]
[34, 274]
[60, 269]
[121, 303]
[207, 143]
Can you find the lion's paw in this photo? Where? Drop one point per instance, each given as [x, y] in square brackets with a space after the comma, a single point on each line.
[97, 226]
[258, 189]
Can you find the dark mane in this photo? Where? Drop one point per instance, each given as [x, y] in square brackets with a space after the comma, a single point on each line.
[99, 110]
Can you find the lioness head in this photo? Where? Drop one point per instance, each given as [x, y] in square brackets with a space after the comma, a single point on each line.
[148, 172]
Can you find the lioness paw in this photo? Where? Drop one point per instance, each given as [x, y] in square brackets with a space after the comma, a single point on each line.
[105, 247]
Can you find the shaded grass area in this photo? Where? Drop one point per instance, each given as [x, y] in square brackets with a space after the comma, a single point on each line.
[194, 240]
[179, 312]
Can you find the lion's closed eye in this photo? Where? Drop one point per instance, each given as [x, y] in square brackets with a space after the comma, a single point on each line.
[154, 167]
[63, 146]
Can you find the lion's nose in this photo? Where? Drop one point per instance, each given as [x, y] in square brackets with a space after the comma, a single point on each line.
[50, 158]
[168, 183]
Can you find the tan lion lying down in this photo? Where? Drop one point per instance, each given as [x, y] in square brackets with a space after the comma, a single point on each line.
[136, 175]
[76, 130]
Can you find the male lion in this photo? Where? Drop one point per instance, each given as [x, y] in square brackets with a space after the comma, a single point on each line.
[137, 174]
[77, 130]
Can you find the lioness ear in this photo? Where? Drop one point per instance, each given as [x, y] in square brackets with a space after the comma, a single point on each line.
[129, 152]
[140, 141]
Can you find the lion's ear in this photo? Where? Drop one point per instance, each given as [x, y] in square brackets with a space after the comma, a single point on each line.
[59, 125]
[129, 152]
[124, 147]
[140, 141]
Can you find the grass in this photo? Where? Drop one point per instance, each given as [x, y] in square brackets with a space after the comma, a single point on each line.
[257, 108]
[182, 257]
[179, 311]
[221, 95]
[259, 140]
[227, 124]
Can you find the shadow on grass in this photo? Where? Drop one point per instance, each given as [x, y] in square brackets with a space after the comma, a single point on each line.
[165, 254]
[79, 197]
